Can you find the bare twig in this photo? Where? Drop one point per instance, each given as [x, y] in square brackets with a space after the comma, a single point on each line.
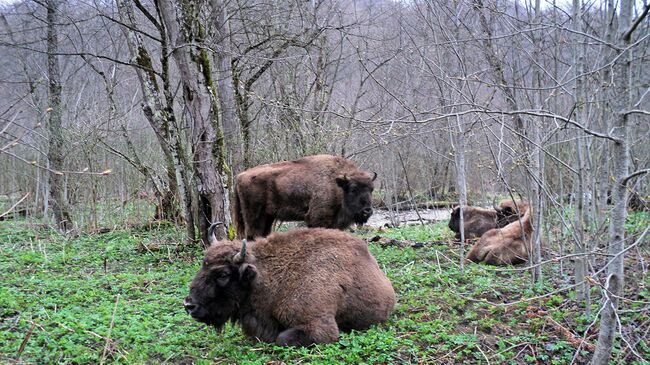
[14, 206]
[110, 329]
[24, 343]
[569, 336]
[408, 186]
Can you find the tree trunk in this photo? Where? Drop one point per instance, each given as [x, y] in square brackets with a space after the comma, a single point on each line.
[201, 101]
[55, 148]
[620, 161]
[224, 81]
[160, 116]
[459, 154]
[537, 158]
[580, 269]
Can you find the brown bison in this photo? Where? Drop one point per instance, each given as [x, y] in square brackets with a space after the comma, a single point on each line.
[322, 190]
[295, 288]
[510, 209]
[505, 246]
[477, 221]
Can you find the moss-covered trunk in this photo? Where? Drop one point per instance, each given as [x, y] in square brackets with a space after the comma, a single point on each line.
[186, 34]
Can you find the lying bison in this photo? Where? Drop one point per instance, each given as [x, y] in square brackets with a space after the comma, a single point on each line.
[505, 246]
[323, 190]
[477, 221]
[296, 288]
[509, 210]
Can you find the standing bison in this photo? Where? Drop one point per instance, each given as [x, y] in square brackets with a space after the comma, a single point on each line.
[477, 221]
[505, 246]
[296, 288]
[322, 190]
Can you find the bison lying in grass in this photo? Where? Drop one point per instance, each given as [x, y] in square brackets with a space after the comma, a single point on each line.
[323, 190]
[510, 209]
[505, 246]
[296, 288]
[477, 221]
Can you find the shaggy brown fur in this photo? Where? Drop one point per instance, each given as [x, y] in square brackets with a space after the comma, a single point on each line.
[477, 221]
[509, 208]
[504, 246]
[295, 288]
[322, 190]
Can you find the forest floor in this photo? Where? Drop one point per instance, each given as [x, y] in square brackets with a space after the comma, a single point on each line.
[117, 297]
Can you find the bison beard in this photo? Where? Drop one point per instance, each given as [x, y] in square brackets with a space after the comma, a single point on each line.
[296, 288]
[323, 190]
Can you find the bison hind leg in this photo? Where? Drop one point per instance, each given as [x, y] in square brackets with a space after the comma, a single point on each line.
[476, 253]
[268, 224]
[260, 227]
[323, 330]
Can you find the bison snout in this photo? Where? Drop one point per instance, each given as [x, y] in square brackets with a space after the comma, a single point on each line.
[189, 306]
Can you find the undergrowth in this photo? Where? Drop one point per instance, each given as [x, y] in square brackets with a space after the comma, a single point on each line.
[117, 298]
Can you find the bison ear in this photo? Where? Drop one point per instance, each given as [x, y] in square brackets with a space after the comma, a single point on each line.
[343, 181]
[247, 273]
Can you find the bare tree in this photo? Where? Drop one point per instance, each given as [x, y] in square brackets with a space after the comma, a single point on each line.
[55, 128]
[621, 117]
[186, 34]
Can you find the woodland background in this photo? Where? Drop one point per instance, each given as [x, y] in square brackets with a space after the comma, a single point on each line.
[117, 113]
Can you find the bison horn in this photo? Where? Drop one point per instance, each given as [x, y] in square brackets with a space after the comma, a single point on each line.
[374, 176]
[240, 257]
[212, 239]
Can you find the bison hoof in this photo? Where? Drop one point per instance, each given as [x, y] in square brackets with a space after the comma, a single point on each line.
[294, 337]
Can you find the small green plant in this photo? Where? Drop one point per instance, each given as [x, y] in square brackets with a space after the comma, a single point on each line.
[72, 292]
[420, 233]
[637, 221]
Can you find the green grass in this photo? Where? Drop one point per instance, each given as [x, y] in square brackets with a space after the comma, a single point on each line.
[637, 221]
[67, 290]
[416, 232]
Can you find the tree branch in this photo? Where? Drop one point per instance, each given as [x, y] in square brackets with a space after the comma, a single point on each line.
[148, 15]
[14, 206]
[634, 174]
[637, 111]
[628, 33]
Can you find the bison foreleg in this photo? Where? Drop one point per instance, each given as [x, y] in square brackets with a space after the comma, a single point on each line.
[323, 330]
[475, 253]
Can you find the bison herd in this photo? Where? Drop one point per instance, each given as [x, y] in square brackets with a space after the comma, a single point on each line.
[505, 232]
[304, 286]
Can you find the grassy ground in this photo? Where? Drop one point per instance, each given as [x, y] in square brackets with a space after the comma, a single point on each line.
[116, 298]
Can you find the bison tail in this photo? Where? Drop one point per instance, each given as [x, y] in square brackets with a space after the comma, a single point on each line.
[238, 217]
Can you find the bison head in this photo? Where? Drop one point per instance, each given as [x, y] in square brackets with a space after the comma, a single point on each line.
[509, 211]
[505, 215]
[454, 220]
[357, 195]
[221, 285]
